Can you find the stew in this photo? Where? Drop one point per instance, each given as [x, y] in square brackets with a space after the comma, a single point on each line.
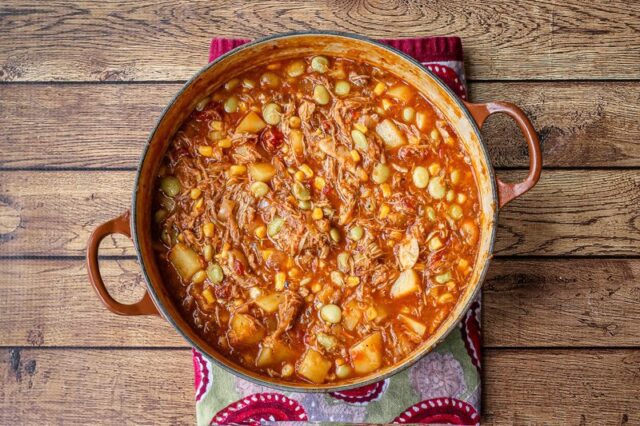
[316, 219]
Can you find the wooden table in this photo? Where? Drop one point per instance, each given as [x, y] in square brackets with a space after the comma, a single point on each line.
[83, 83]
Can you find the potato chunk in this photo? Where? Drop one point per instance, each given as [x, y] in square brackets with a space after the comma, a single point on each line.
[245, 330]
[185, 260]
[366, 355]
[408, 282]
[400, 92]
[390, 134]
[262, 172]
[269, 303]
[251, 123]
[274, 354]
[314, 366]
[413, 325]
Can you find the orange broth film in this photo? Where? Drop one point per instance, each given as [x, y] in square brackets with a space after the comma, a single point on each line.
[316, 219]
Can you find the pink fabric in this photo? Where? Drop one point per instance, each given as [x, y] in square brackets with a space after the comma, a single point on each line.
[443, 387]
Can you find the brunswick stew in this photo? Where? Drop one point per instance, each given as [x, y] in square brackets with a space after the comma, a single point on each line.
[316, 219]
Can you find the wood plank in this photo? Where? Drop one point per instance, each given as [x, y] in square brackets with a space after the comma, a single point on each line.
[100, 41]
[570, 212]
[96, 386]
[79, 386]
[562, 302]
[105, 126]
[561, 387]
[527, 303]
[58, 307]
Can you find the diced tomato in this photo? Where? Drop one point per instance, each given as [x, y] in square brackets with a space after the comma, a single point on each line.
[222, 291]
[238, 267]
[271, 139]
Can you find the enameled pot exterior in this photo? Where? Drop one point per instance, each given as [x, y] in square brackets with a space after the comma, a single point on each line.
[465, 119]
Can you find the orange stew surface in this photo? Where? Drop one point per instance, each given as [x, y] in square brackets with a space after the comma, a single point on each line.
[316, 219]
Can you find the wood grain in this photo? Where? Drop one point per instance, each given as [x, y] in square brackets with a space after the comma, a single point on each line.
[527, 303]
[562, 302]
[570, 212]
[107, 41]
[586, 387]
[106, 126]
[561, 387]
[96, 386]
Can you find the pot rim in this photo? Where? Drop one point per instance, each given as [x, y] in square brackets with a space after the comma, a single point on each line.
[412, 358]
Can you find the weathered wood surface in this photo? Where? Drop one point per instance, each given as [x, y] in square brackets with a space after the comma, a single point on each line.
[569, 212]
[581, 124]
[150, 386]
[146, 40]
[527, 303]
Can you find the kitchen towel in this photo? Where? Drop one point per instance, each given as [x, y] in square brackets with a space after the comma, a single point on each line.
[443, 387]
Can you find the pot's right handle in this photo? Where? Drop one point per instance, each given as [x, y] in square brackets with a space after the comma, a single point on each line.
[509, 191]
[119, 225]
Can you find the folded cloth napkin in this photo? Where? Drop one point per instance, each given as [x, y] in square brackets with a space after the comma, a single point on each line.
[443, 387]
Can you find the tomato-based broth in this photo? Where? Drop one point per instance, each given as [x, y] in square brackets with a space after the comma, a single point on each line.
[316, 219]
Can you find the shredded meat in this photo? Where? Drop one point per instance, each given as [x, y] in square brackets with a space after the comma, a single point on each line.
[287, 312]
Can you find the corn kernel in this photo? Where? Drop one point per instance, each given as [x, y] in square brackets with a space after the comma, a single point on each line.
[199, 277]
[380, 88]
[319, 183]
[435, 244]
[306, 170]
[445, 298]
[195, 193]
[316, 287]
[224, 143]
[294, 273]
[237, 170]
[355, 156]
[434, 169]
[384, 211]
[199, 203]
[299, 176]
[434, 135]
[208, 296]
[207, 229]
[261, 231]
[450, 195]
[386, 190]
[455, 176]
[216, 125]
[362, 174]
[462, 198]
[295, 122]
[352, 281]
[205, 150]
[280, 281]
[266, 254]
[386, 104]
[371, 313]
[361, 127]
[317, 214]
[207, 252]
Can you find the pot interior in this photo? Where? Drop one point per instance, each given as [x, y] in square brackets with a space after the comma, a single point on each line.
[284, 47]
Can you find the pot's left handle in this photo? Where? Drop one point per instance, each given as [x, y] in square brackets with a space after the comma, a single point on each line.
[509, 191]
[119, 225]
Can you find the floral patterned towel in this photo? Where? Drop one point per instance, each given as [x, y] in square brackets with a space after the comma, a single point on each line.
[443, 387]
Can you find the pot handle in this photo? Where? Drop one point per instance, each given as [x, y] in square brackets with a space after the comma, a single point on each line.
[119, 225]
[509, 191]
